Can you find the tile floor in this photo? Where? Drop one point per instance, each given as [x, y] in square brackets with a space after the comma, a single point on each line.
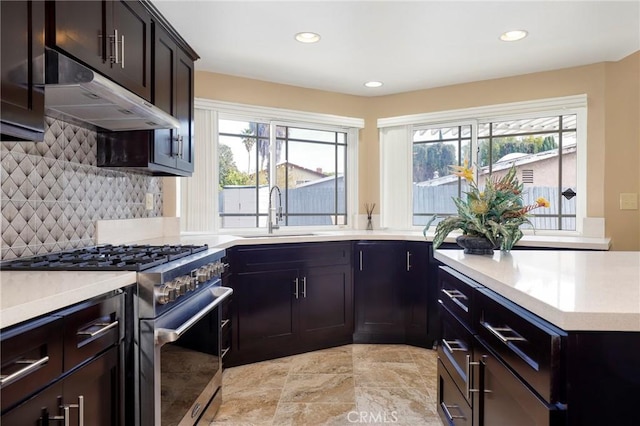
[347, 385]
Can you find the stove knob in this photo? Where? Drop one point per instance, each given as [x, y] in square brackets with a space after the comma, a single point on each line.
[192, 283]
[165, 294]
[202, 274]
[184, 284]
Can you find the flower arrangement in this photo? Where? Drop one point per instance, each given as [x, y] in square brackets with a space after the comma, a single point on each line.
[495, 213]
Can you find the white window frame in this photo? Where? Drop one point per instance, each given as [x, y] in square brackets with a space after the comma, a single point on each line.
[275, 116]
[576, 104]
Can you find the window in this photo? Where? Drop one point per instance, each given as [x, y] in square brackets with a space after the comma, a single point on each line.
[541, 139]
[307, 163]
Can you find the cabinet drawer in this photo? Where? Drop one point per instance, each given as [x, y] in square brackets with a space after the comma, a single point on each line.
[31, 358]
[528, 345]
[454, 351]
[456, 292]
[90, 328]
[506, 400]
[277, 256]
[452, 406]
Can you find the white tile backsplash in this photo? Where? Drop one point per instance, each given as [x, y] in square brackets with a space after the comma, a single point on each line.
[52, 192]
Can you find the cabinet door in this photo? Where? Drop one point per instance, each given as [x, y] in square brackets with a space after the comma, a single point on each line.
[133, 25]
[267, 312]
[417, 297]
[37, 410]
[96, 387]
[380, 276]
[164, 94]
[22, 67]
[78, 29]
[326, 305]
[185, 111]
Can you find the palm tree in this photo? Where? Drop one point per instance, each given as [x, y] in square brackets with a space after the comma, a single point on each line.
[249, 141]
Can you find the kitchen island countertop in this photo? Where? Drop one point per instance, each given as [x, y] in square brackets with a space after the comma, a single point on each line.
[574, 290]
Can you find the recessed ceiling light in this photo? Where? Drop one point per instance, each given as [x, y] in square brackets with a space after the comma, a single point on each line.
[373, 84]
[514, 35]
[307, 37]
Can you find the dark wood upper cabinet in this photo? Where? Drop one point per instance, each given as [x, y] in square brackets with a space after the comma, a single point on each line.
[166, 152]
[173, 92]
[113, 37]
[22, 67]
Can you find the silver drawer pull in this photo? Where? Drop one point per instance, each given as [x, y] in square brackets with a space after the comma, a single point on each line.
[32, 365]
[459, 346]
[469, 372]
[498, 332]
[104, 328]
[447, 413]
[224, 323]
[224, 352]
[454, 295]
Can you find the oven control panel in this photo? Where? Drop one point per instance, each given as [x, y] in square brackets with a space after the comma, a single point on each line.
[179, 286]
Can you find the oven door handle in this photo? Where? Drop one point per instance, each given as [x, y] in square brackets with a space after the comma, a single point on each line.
[166, 335]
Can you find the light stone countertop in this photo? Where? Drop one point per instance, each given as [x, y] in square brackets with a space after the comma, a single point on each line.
[25, 294]
[574, 290]
[28, 294]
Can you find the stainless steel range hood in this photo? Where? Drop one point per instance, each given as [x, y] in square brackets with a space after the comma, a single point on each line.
[80, 95]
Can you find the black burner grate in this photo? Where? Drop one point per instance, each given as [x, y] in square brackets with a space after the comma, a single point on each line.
[105, 258]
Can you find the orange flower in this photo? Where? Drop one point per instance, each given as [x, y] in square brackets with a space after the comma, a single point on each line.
[463, 171]
[542, 202]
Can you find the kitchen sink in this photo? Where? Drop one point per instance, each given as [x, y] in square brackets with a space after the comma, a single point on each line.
[276, 235]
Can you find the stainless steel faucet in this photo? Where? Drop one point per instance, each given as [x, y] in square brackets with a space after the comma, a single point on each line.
[272, 210]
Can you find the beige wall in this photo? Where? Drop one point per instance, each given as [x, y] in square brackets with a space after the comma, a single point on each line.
[613, 94]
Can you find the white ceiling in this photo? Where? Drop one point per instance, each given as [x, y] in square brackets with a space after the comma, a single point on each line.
[408, 45]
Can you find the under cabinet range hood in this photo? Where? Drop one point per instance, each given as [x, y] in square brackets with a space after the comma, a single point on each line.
[75, 93]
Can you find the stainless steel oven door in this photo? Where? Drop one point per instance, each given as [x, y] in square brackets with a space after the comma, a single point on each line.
[180, 361]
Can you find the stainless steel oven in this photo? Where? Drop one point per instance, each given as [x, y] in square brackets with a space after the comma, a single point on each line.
[179, 354]
[181, 362]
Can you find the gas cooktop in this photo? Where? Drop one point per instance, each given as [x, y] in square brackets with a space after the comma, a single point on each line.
[104, 258]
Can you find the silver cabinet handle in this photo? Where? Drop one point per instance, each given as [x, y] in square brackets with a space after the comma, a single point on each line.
[180, 146]
[447, 413]
[79, 406]
[468, 371]
[224, 323]
[104, 328]
[122, 56]
[297, 284]
[224, 352]
[459, 346]
[304, 287]
[498, 332]
[408, 261]
[31, 366]
[115, 58]
[361, 260]
[454, 295]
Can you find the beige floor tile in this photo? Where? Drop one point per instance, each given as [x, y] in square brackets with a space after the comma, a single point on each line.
[401, 406]
[249, 406]
[324, 362]
[381, 353]
[266, 374]
[388, 375]
[299, 414]
[334, 388]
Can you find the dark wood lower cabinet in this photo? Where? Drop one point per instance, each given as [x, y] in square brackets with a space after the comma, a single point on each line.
[266, 309]
[93, 386]
[289, 299]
